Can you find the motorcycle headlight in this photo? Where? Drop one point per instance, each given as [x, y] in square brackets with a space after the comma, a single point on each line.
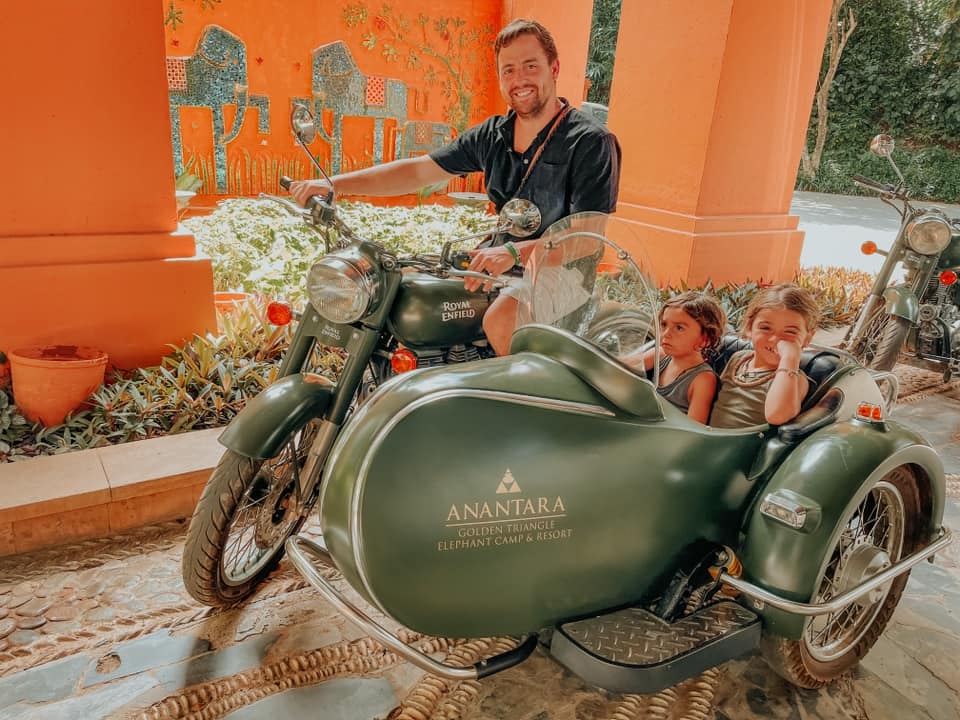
[341, 290]
[928, 233]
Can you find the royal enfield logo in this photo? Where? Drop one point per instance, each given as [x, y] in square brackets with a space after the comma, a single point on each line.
[457, 311]
[330, 332]
[508, 484]
[503, 521]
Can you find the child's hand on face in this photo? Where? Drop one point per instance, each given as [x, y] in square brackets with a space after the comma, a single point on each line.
[789, 351]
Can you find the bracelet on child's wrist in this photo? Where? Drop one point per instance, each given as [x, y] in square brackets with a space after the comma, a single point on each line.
[789, 371]
[512, 249]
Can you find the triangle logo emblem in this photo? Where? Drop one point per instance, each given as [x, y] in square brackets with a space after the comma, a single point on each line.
[508, 484]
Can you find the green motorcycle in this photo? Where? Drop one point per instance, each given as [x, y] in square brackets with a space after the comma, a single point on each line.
[554, 496]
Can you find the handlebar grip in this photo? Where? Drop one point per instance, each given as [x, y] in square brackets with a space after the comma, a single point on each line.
[285, 182]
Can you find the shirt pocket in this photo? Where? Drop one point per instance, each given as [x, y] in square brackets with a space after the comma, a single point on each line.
[548, 191]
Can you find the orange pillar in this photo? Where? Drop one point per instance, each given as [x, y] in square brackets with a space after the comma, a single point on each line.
[710, 101]
[90, 252]
[571, 31]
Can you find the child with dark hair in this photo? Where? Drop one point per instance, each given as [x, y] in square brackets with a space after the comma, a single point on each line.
[691, 326]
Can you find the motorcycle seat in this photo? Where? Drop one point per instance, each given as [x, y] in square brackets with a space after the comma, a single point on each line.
[613, 380]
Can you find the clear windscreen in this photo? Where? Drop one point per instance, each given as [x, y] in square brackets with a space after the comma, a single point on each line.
[579, 280]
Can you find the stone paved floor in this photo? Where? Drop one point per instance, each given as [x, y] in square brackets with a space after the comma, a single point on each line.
[104, 629]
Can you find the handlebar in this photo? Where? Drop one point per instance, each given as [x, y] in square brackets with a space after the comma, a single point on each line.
[870, 184]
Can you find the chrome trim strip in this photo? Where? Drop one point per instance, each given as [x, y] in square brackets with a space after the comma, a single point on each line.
[841, 601]
[297, 550]
[530, 400]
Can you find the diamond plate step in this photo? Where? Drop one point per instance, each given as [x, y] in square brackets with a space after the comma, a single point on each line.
[633, 650]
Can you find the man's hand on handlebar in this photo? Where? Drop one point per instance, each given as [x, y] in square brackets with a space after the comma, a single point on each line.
[303, 190]
[493, 260]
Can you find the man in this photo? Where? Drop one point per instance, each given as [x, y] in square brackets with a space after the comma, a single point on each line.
[542, 150]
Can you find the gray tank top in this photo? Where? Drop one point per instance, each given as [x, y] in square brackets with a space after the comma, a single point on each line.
[677, 392]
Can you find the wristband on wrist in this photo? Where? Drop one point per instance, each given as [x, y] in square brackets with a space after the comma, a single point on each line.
[788, 371]
[512, 249]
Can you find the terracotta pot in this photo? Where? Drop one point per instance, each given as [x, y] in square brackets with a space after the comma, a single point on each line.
[51, 380]
[229, 301]
[611, 269]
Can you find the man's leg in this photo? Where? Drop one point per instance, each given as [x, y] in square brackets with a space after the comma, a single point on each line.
[499, 322]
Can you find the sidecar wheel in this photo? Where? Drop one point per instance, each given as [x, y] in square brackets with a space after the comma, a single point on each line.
[244, 516]
[879, 532]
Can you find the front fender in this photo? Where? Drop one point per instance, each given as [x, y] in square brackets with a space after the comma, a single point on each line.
[265, 423]
[834, 469]
[900, 301]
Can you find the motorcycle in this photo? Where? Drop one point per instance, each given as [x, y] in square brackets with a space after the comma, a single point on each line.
[390, 314]
[552, 495]
[916, 321]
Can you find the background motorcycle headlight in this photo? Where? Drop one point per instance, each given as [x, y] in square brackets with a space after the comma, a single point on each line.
[928, 234]
[340, 290]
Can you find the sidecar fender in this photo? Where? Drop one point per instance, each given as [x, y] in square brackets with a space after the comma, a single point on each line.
[900, 301]
[266, 422]
[832, 470]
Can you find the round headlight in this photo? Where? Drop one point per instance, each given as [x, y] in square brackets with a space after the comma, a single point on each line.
[928, 233]
[340, 290]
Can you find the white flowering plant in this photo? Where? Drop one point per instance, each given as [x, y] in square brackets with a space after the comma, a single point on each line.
[257, 247]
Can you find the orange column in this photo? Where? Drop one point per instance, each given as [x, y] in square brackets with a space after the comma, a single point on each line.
[710, 101]
[571, 31]
[90, 252]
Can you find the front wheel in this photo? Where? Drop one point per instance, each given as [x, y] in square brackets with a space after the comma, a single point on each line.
[880, 531]
[246, 512]
[880, 341]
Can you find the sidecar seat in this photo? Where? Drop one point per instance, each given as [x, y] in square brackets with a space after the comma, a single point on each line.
[615, 381]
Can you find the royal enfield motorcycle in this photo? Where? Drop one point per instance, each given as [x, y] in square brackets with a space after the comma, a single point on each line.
[552, 495]
[916, 320]
[389, 314]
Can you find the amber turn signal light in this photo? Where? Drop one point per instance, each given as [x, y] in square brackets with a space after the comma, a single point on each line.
[279, 313]
[868, 248]
[948, 277]
[403, 361]
[869, 411]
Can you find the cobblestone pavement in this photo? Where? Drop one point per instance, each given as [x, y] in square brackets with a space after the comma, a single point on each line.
[105, 629]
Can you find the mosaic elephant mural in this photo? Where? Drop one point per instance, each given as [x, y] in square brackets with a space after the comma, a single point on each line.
[339, 86]
[419, 137]
[214, 76]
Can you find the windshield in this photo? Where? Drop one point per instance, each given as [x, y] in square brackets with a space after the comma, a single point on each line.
[579, 280]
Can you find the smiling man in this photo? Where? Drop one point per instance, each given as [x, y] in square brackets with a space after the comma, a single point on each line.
[542, 150]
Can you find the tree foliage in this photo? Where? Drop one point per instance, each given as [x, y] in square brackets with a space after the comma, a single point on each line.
[603, 47]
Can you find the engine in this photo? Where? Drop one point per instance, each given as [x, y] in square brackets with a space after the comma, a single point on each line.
[939, 320]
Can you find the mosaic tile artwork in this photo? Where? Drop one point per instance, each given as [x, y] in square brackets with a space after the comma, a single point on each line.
[213, 77]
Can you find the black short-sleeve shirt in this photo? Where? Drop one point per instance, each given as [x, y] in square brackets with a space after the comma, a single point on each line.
[578, 171]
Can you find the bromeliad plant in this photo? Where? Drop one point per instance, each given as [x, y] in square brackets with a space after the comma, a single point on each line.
[200, 385]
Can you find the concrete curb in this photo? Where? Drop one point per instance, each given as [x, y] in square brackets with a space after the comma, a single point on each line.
[54, 499]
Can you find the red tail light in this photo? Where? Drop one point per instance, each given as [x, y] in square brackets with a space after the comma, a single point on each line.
[948, 277]
[403, 361]
[868, 248]
[279, 313]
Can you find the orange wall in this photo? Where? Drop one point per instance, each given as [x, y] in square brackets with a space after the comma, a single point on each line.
[279, 37]
[70, 146]
[88, 249]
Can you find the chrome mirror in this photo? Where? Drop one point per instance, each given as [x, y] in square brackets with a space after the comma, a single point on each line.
[304, 128]
[520, 218]
[882, 145]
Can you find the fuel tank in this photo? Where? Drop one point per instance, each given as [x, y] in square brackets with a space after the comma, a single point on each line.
[950, 257]
[463, 505]
[437, 312]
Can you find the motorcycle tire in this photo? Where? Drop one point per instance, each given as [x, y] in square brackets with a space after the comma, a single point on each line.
[878, 346]
[245, 508]
[819, 657]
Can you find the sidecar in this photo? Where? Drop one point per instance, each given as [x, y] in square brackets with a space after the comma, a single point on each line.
[554, 489]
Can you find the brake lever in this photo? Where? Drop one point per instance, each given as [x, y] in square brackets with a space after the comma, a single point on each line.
[288, 205]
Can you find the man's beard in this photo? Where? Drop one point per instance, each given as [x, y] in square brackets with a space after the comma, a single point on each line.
[535, 111]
